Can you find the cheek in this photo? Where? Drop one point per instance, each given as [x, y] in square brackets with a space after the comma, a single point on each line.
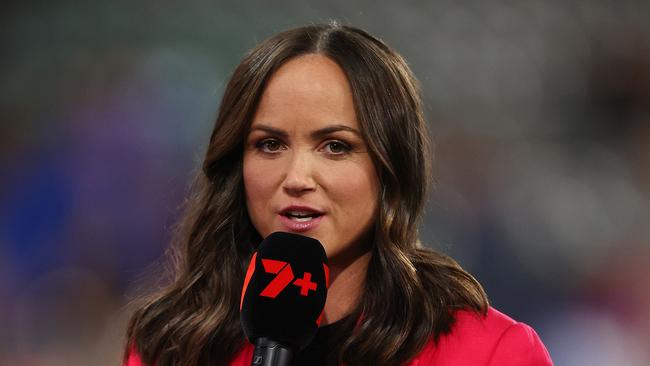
[355, 190]
[259, 190]
[258, 176]
[253, 184]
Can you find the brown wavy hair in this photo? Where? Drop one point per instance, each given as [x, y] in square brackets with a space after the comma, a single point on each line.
[410, 293]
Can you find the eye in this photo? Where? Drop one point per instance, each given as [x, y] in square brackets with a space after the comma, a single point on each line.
[269, 145]
[337, 147]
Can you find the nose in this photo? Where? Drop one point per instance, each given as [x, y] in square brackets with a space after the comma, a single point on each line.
[299, 177]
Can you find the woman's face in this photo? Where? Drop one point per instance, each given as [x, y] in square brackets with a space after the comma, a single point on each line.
[306, 166]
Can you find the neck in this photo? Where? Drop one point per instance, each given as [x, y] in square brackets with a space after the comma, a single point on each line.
[346, 285]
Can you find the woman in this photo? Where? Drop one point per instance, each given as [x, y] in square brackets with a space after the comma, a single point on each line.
[321, 132]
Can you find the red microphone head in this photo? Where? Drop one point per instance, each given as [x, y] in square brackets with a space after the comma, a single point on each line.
[285, 290]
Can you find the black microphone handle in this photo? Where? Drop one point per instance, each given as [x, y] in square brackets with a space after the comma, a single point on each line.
[271, 353]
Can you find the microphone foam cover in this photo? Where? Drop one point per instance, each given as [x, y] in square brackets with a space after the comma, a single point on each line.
[285, 290]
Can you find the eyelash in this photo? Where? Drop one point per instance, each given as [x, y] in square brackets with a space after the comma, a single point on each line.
[263, 144]
[260, 145]
[346, 147]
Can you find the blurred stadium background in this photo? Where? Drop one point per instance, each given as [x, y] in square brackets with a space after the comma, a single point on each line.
[540, 113]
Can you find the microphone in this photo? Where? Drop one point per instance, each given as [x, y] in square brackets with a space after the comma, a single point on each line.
[283, 297]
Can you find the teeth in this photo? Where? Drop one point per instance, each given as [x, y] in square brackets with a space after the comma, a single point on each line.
[301, 214]
[302, 219]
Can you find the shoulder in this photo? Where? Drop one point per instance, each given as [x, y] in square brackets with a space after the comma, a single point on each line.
[242, 358]
[132, 357]
[494, 339]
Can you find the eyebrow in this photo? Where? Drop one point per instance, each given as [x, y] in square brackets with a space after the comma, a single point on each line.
[317, 134]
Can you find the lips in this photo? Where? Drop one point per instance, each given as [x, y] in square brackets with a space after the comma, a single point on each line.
[300, 218]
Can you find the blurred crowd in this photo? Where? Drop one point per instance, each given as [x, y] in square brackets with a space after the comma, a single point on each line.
[539, 110]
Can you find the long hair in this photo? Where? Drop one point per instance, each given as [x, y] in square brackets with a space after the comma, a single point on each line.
[410, 292]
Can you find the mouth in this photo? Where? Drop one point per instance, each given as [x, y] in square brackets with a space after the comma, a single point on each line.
[300, 218]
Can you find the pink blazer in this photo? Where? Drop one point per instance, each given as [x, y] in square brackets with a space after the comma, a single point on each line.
[494, 340]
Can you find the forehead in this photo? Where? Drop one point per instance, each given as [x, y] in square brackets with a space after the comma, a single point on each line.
[309, 90]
